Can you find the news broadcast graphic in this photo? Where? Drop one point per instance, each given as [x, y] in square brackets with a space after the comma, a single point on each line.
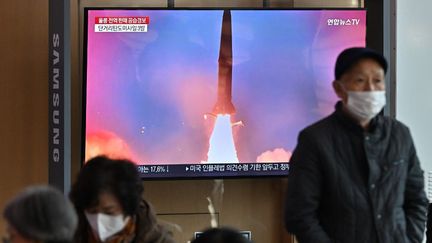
[121, 24]
[209, 92]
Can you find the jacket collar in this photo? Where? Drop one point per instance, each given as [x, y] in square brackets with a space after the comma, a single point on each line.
[374, 126]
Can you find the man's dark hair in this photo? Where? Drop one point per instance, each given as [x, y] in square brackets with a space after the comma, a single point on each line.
[221, 235]
[102, 174]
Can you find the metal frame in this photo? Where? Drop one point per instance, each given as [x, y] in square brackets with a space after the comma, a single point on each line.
[381, 32]
[59, 115]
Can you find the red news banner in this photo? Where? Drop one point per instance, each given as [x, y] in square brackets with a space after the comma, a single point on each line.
[121, 24]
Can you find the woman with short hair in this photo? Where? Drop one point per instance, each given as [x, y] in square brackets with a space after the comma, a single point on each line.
[108, 198]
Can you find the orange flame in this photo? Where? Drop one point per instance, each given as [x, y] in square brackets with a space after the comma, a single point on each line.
[106, 143]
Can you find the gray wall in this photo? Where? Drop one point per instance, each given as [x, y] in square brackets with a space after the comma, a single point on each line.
[414, 81]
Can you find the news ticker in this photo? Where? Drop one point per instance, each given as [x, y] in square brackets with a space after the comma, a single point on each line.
[214, 170]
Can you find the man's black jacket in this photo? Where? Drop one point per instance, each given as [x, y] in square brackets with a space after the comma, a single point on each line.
[346, 185]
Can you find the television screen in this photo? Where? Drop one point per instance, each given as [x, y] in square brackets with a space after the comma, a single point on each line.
[209, 92]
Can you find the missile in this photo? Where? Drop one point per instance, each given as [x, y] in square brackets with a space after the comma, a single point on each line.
[224, 103]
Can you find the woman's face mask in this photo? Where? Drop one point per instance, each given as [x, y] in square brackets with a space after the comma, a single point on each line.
[105, 225]
[107, 218]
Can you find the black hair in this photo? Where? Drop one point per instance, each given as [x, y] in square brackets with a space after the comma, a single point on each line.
[102, 174]
[221, 235]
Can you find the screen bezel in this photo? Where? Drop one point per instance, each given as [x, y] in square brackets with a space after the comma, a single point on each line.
[368, 39]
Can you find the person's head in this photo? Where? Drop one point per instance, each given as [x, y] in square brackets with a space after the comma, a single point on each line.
[360, 81]
[40, 214]
[221, 235]
[107, 192]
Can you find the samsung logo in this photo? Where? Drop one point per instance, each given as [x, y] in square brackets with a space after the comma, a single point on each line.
[55, 87]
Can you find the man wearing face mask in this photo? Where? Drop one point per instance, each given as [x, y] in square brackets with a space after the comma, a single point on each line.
[354, 175]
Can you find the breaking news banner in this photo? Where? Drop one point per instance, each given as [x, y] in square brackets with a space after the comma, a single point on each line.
[121, 24]
[202, 170]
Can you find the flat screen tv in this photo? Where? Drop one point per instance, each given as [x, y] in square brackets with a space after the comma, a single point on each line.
[187, 93]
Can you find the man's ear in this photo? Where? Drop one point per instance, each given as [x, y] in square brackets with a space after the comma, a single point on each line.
[338, 89]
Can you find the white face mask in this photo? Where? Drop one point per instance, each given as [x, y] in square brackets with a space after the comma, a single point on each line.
[365, 105]
[105, 225]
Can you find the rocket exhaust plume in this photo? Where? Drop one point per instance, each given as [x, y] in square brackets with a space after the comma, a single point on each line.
[222, 147]
[224, 103]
